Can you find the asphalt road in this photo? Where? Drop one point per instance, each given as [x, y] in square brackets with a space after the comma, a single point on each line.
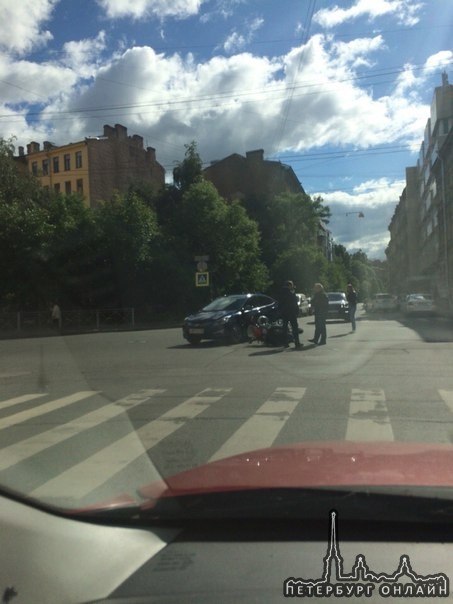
[86, 417]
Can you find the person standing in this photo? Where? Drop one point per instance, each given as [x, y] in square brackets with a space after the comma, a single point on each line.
[320, 306]
[56, 315]
[289, 311]
[351, 296]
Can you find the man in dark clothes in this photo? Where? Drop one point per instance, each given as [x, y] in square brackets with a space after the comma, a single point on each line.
[289, 311]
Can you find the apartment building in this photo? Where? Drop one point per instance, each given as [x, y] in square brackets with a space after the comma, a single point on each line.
[238, 177]
[252, 176]
[420, 252]
[96, 167]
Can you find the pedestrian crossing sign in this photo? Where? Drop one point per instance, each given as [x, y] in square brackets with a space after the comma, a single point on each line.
[202, 279]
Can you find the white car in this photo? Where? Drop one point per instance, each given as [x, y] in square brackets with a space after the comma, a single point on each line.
[304, 305]
[384, 302]
[420, 304]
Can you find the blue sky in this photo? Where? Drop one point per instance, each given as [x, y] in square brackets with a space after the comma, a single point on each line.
[339, 91]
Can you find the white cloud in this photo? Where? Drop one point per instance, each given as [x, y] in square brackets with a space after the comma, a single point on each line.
[368, 194]
[442, 59]
[405, 11]
[82, 56]
[376, 200]
[137, 9]
[236, 41]
[303, 100]
[306, 99]
[21, 24]
[223, 8]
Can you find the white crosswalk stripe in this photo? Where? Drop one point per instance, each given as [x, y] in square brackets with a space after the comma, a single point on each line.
[24, 416]
[447, 397]
[25, 398]
[42, 441]
[264, 426]
[84, 477]
[369, 417]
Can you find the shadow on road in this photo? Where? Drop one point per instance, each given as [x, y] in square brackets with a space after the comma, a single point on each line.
[430, 328]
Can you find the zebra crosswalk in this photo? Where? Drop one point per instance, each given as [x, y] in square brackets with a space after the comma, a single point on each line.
[81, 445]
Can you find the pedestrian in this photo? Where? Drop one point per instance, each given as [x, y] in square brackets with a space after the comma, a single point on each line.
[289, 311]
[320, 306]
[56, 315]
[351, 295]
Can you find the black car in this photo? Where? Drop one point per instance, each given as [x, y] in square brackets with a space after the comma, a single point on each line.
[338, 306]
[227, 318]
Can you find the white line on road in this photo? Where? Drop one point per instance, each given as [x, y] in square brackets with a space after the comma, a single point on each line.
[369, 417]
[447, 397]
[23, 416]
[260, 430]
[19, 399]
[81, 479]
[40, 442]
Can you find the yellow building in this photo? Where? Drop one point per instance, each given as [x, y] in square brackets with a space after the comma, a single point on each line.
[96, 167]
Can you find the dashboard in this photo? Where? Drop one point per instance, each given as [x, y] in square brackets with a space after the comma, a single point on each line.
[47, 558]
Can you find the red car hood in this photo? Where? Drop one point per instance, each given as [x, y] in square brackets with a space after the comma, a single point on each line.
[316, 464]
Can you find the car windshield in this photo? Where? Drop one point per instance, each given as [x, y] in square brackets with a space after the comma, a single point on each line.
[226, 303]
[162, 157]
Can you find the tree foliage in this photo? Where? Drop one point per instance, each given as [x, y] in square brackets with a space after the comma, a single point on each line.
[139, 248]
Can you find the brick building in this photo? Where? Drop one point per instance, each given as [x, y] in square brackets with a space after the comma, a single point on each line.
[96, 167]
[237, 177]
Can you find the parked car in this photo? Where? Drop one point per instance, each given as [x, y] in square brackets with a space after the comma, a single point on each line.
[304, 305]
[227, 318]
[384, 303]
[338, 306]
[421, 304]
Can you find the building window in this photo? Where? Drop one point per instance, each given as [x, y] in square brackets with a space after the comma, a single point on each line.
[45, 167]
[56, 187]
[67, 187]
[67, 161]
[56, 165]
[78, 159]
[34, 168]
[80, 186]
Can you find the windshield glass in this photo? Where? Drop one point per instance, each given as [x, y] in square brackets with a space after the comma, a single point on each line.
[259, 156]
[226, 303]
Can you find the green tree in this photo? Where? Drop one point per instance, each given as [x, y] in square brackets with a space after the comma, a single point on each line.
[127, 232]
[210, 226]
[190, 170]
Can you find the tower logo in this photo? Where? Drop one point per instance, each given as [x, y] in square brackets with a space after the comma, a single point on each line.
[362, 582]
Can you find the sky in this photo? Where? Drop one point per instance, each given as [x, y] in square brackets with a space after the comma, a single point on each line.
[340, 91]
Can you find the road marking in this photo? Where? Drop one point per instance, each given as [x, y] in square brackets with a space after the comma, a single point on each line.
[369, 418]
[40, 442]
[447, 397]
[262, 428]
[84, 477]
[19, 399]
[23, 416]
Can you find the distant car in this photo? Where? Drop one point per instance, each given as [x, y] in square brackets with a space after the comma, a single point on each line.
[303, 304]
[419, 304]
[384, 303]
[227, 318]
[338, 306]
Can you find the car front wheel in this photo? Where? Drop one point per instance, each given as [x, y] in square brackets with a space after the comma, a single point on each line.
[234, 334]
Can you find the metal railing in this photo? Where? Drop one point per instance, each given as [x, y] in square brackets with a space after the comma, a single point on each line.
[71, 320]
